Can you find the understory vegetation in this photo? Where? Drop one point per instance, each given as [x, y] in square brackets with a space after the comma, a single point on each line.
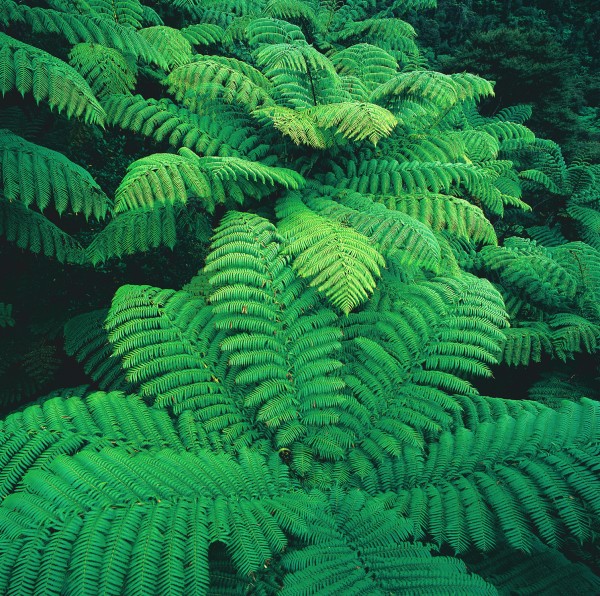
[286, 311]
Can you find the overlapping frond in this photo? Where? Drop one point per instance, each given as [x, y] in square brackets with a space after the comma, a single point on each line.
[31, 70]
[35, 175]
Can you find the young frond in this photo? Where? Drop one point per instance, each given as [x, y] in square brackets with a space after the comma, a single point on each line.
[203, 34]
[31, 70]
[34, 175]
[339, 261]
[356, 121]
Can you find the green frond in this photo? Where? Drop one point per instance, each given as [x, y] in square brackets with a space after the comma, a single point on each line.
[441, 90]
[356, 121]
[297, 56]
[396, 235]
[340, 262]
[170, 43]
[164, 120]
[208, 78]
[203, 34]
[442, 212]
[105, 69]
[31, 70]
[300, 125]
[391, 177]
[92, 28]
[368, 63]
[34, 175]
[167, 178]
[544, 571]
[291, 10]
[128, 13]
[32, 231]
[133, 231]
[527, 343]
[263, 31]
[530, 270]
[361, 548]
[86, 340]
[527, 476]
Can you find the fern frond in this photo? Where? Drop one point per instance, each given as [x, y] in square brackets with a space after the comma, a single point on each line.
[203, 34]
[31, 70]
[105, 69]
[167, 178]
[91, 28]
[271, 31]
[396, 235]
[135, 230]
[32, 231]
[34, 175]
[300, 125]
[356, 121]
[210, 78]
[340, 262]
[86, 340]
[170, 43]
[443, 91]
[163, 120]
[370, 64]
[442, 212]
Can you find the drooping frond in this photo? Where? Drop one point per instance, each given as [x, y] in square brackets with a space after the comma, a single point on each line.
[544, 571]
[298, 56]
[209, 78]
[167, 178]
[86, 340]
[34, 175]
[441, 90]
[370, 64]
[135, 230]
[529, 475]
[299, 125]
[31, 70]
[442, 212]
[32, 231]
[164, 120]
[91, 28]
[105, 69]
[339, 261]
[128, 13]
[203, 34]
[360, 547]
[170, 43]
[262, 31]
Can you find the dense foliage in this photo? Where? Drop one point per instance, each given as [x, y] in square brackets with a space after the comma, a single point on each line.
[372, 254]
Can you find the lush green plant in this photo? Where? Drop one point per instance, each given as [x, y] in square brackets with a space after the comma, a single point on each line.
[303, 417]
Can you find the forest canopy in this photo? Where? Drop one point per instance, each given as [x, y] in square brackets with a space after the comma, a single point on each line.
[301, 297]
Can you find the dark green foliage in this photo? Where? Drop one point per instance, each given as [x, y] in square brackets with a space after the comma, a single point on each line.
[306, 416]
